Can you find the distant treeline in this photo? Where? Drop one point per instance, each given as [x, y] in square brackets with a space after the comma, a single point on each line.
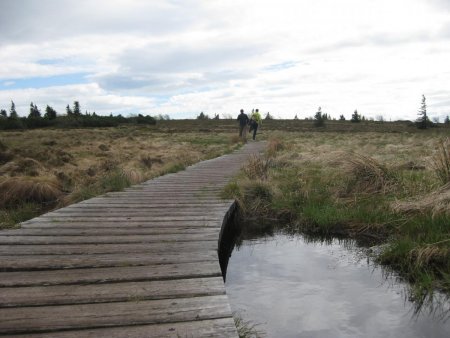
[72, 119]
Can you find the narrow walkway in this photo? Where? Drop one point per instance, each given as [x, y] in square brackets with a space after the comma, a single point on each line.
[137, 263]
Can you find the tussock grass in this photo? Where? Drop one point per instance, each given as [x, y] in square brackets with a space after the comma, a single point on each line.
[257, 167]
[89, 162]
[431, 254]
[436, 203]
[15, 190]
[366, 175]
[441, 161]
[274, 145]
[134, 176]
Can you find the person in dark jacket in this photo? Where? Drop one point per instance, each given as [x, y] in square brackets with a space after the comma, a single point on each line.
[243, 122]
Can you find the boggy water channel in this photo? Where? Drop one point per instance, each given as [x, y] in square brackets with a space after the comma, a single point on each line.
[293, 287]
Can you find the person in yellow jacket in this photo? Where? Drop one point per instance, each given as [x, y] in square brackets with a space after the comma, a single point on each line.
[255, 121]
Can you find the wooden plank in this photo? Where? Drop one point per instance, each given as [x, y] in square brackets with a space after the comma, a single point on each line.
[222, 327]
[38, 223]
[24, 240]
[89, 249]
[53, 262]
[155, 230]
[115, 292]
[131, 213]
[111, 274]
[63, 317]
[124, 264]
[168, 218]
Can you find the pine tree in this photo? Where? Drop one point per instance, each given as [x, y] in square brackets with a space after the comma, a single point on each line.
[34, 111]
[295, 117]
[319, 119]
[69, 111]
[76, 108]
[202, 116]
[50, 113]
[12, 111]
[447, 120]
[342, 118]
[422, 120]
[268, 116]
[3, 113]
[356, 117]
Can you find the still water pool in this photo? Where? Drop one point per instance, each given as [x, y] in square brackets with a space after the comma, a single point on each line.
[292, 288]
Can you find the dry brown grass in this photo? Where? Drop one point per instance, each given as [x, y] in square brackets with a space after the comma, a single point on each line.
[274, 145]
[80, 161]
[257, 167]
[366, 175]
[436, 202]
[441, 160]
[430, 254]
[14, 190]
[133, 175]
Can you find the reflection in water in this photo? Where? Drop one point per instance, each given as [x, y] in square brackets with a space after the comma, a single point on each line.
[299, 289]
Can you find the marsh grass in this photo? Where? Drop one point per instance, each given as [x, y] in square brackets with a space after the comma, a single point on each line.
[15, 190]
[366, 175]
[322, 185]
[74, 164]
[441, 160]
[246, 329]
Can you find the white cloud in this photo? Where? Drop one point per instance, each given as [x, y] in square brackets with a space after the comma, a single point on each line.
[183, 57]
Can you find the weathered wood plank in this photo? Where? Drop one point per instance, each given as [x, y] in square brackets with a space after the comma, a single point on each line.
[141, 262]
[91, 231]
[168, 218]
[110, 275]
[88, 249]
[63, 317]
[23, 240]
[38, 223]
[222, 327]
[115, 292]
[53, 262]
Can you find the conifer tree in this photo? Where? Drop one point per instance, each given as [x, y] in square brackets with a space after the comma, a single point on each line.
[356, 117]
[12, 111]
[69, 111]
[76, 108]
[3, 113]
[422, 120]
[319, 119]
[50, 113]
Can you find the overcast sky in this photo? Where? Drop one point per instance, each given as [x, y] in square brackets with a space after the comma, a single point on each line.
[181, 57]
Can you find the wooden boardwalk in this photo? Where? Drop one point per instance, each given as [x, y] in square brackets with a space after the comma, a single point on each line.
[137, 263]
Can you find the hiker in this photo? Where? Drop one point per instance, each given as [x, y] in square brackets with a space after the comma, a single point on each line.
[243, 122]
[255, 121]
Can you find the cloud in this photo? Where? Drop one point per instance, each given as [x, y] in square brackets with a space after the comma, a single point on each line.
[27, 20]
[91, 97]
[172, 67]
